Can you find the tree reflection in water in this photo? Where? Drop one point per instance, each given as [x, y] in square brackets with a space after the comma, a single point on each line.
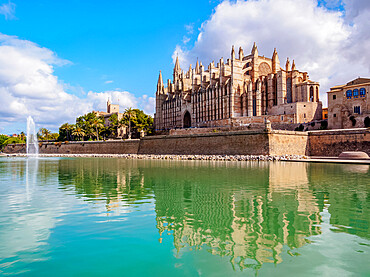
[251, 212]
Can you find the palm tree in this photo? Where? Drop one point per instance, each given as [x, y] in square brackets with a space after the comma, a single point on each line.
[129, 113]
[78, 132]
[98, 123]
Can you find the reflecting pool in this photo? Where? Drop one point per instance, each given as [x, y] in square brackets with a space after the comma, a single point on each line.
[116, 217]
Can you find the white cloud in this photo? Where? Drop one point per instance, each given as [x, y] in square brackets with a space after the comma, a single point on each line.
[8, 10]
[28, 86]
[189, 28]
[108, 82]
[332, 46]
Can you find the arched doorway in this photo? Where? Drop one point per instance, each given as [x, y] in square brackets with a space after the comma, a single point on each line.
[187, 120]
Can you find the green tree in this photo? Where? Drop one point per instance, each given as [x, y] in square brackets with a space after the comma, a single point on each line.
[129, 114]
[114, 124]
[79, 133]
[98, 123]
[44, 134]
[3, 138]
[85, 122]
[65, 131]
[13, 140]
[54, 136]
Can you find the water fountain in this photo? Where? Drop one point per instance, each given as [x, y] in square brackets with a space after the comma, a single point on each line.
[32, 143]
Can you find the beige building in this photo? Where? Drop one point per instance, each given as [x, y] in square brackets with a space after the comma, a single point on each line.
[112, 109]
[244, 89]
[349, 105]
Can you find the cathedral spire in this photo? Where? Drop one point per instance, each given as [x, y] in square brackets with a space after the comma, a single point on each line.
[254, 51]
[197, 67]
[287, 65]
[177, 65]
[232, 53]
[275, 61]
[176, 70]
[241, 53]
[160, 83]
[293, 66]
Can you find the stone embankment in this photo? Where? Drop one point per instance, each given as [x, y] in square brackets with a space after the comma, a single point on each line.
[176, 157]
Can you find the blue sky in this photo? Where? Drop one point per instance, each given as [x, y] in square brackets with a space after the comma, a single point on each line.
[60, 59]
[126, 42]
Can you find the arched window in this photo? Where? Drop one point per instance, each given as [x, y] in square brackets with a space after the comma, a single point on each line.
[349, 93]
[311, 94]
[362, 92]
[355, 93]
[317, 94]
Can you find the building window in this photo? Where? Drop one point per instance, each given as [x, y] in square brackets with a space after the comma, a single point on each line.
[355, 93]
[334, 97]
[326, 116]
[362, 92]
[335, 115]
[304, 115]
[349, 94]
[357, 109]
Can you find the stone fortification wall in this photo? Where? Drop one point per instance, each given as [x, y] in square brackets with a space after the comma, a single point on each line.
[314, 143]
[333, 142]
[288, 142]
[79, 147]
[225, 143]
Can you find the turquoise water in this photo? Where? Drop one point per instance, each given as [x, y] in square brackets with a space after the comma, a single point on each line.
[115, 217]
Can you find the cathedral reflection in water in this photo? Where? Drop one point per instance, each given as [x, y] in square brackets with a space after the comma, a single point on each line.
[249, 211]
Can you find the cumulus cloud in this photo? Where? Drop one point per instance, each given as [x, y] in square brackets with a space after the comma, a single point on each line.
[28, 86]
[8, 10]
[330, 44]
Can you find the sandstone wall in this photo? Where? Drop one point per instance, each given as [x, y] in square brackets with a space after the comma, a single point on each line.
[314, 143]
[288, 142]
[333, 142]
[234, 143]
[87, 147]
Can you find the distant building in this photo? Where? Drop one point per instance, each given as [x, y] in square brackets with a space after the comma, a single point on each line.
[349, 105]
[247, 89]
[112, 109]
[324, 113]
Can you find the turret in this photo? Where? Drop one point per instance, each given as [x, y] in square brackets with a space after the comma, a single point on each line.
[293, 66]
[176, 70]
[287, 65]
[197, 67]
[232, 53]
[241, 54]
[160, 84]
[275, 62]
[254, 51]
[108, 105]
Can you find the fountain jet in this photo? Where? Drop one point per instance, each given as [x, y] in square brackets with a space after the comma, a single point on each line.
[32, 143]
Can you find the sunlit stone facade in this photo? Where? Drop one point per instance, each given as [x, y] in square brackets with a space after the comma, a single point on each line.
[349, 105]
[246, 89]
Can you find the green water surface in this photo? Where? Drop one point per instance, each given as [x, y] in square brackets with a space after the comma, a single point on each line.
[116, 217]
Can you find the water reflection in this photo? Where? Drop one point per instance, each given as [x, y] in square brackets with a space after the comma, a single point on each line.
[248, 211]
[253, 213]
[27, 213]
[250, 219]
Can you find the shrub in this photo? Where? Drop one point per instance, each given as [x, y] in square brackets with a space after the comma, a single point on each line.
[324, 125]
[299, 128]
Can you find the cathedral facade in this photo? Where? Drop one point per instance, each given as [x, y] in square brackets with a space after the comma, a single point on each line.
[247, 89]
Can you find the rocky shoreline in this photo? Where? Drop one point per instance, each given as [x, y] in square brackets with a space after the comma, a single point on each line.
[175, 157]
